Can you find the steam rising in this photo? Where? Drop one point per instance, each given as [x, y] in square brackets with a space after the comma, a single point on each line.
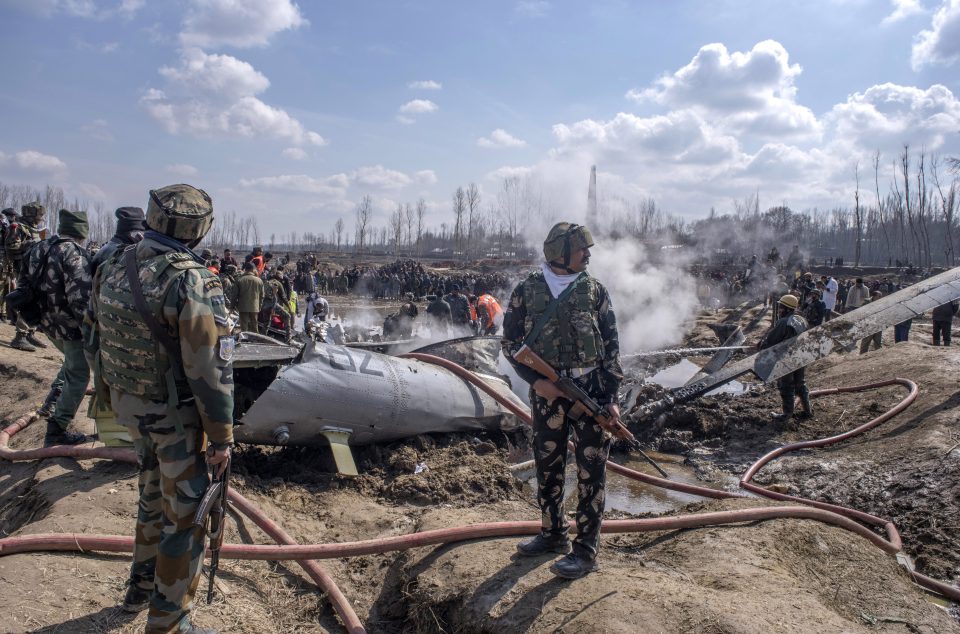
[653, 301]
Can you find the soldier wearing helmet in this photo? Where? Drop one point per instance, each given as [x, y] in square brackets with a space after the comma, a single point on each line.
[788, 325]
[566, 317]
[163, 362]
[18, 240]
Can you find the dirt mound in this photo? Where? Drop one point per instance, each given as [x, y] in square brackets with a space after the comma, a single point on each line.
[780, 576]
[453, 469]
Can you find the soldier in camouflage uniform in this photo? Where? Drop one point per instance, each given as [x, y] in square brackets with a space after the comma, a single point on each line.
[275, 301]
[580, 341]
[65, 289]
[167, 403]
[19, 238]
[7, 218]
[249, 296]
[130, 228]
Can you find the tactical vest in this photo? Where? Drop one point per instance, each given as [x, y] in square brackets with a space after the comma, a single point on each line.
[797, 323]
[571, 337]
[131, 359]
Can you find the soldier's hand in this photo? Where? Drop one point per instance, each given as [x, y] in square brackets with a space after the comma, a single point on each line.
[218, 458]
[546, 389]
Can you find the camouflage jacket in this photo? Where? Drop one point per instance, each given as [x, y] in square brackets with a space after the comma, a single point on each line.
[515, 331]
[18, 238]
[193, 311]
[65, 285]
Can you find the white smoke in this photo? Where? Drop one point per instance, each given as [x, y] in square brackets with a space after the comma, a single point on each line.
[654, 302]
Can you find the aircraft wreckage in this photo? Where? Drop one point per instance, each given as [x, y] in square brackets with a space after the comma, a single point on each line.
[343, 395]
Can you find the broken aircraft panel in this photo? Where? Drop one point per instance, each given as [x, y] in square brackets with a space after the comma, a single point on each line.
[840, 333]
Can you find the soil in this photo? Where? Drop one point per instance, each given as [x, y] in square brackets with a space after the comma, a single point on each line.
[777, 576]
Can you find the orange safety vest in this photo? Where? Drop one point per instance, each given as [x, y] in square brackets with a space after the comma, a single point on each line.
[259, 262]
[492, 308]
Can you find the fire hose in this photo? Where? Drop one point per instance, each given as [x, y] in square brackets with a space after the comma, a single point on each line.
[831, 514]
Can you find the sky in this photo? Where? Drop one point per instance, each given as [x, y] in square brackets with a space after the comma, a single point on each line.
[295, 110]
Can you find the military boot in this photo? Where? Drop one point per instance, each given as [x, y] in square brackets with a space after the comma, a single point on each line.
[805, 410]
[786, 399]
[57, 435]
[35, 341]
[20, 343]
[544, 543]
[46, 410]
[136, 599]
[200, 630]
[574, 566]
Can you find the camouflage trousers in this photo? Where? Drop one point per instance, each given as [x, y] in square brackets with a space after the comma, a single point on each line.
[551, 430]
[168, 550]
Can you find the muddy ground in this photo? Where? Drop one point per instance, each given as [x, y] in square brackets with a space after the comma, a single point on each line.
[778, 576]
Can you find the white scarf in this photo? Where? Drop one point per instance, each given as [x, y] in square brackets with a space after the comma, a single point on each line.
[557, 283]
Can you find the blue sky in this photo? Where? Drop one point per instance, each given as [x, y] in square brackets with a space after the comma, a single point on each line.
[296, 110]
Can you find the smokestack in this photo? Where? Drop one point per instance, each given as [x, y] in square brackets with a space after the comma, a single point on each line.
[592, 200]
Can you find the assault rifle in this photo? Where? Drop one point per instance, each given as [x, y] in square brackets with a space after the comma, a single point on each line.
[583, 404]
[214, 506]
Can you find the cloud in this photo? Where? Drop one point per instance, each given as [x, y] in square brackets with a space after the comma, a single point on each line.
[508, 171]
[426, 177]
[379, 177]
[333, 186]
[426, 84]
[33, 161]
[500, 138]
[419, 106]
[210, 95]
[753, 92]
[182, 169]
[532, 8]
[98, 129]
[940, 44]
[238, 23]
[295, 154]
[903, 9]
[405, 120]
[888, 115]
[77, 8]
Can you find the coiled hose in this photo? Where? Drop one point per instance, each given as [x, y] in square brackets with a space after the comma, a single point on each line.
[304, 554]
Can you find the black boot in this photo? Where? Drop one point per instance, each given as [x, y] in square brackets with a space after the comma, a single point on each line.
[136, 599]
[544, 543]
[57, 435]
[786, 399]
[35, 341]
[20, 343]
[574, 566]
[805, 410]
[46, 410]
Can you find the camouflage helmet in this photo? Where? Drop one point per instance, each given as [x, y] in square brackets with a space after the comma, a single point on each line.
[32, 212]
[181, 211]
[565, 238]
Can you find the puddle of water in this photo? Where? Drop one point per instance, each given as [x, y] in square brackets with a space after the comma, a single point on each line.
[678, 374]
[630, 496]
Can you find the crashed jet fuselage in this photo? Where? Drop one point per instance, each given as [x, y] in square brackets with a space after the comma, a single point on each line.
[367, 397]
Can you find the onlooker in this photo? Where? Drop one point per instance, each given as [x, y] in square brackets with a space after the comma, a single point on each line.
[858, 295]
[877, 337]
[943, 322]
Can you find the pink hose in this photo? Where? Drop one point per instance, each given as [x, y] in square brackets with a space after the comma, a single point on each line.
[831, 514]
[125, 544]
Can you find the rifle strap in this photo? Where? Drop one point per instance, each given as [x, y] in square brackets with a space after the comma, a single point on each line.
[550, 310]
[140, 302]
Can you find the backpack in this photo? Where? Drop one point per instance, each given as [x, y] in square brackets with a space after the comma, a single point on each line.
[28, 299]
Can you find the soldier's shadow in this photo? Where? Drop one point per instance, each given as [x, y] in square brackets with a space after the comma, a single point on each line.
[106, 620]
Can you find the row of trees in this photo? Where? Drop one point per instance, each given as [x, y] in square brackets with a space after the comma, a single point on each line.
[912, 218]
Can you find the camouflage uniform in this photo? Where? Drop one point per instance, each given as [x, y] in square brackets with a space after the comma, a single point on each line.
[581, 335]
[18, 240]
[167, 418]
[65, 287]
[275, 301]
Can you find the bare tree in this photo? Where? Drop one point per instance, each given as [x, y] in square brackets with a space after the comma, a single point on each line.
[408, 223]
[421, 212]
[338, 232]
[459, 207]
[857, 217]
[396, 227]
[363, 212]
[473, 204]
